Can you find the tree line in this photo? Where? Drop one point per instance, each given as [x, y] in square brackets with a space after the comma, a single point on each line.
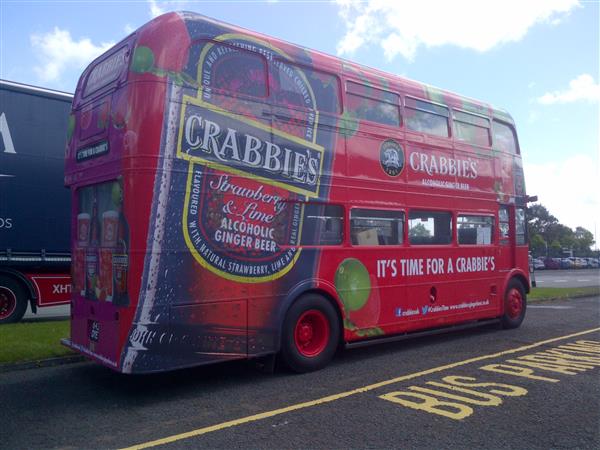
[548, 237]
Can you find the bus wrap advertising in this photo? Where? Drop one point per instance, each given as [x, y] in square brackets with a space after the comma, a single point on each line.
[235, 196]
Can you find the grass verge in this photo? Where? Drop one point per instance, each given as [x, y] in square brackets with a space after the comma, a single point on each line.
[544, 293]
[32, 341]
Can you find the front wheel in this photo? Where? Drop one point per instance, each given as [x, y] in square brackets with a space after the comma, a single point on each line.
[310, 334]
[13, 301]
[515, 305]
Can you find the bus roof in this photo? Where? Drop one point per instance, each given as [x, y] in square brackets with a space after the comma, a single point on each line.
[377, 77]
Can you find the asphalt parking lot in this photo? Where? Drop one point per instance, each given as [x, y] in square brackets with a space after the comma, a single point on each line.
[534, 387]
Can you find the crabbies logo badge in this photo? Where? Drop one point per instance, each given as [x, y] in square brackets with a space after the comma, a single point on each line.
[391, 156]
[247, 178]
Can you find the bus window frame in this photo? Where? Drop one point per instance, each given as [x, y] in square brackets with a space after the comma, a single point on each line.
[513, 129]
[275, 104]
[227, 93]
[449, 127]
[493, 237]
[344, 231]
[403, 211]
[470, 113]
[397, 105]
[453, 224]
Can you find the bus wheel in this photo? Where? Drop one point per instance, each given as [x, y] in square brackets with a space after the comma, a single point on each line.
[310, 334]
[13, 302]
[515, 305]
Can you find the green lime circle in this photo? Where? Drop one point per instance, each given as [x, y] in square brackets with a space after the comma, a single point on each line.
[352, 283]
[143, 60]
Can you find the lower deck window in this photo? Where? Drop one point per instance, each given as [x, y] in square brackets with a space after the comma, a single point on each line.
[429, 228]
[474, 230]
[376, 227]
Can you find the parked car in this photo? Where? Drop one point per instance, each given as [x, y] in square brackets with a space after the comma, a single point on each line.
[593, 263]
[566, 263]
[538, 264]
[552, 263]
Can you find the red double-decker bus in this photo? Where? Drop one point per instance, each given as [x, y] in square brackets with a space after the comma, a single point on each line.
[237, 196]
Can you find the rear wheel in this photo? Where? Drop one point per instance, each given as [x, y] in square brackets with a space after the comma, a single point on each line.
[13, 301]
[310, 334]
[515, 304]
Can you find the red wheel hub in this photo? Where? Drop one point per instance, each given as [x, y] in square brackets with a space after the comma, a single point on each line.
[514, 303]
[8, 302]
[311, 333]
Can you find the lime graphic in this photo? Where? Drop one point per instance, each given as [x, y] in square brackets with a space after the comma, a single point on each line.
[352, 284]
[143, 60]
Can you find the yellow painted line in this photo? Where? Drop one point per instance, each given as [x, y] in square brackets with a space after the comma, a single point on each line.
[334, 397]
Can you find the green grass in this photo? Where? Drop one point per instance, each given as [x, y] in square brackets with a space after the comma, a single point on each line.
[543, 293]
[32, 341]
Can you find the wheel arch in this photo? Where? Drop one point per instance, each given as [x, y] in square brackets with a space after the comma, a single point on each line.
[519, 275]
[25, 282]
[315, 286]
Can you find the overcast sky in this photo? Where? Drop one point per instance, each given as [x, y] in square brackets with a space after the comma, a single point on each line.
[538, 59]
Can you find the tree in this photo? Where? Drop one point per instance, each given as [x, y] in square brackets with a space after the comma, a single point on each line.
[539, 220]
[584, 240]
[537, 245]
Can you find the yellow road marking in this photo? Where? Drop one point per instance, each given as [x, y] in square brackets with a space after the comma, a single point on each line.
[334, 397]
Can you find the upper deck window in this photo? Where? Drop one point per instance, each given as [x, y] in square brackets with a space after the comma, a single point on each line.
[426, 117]
[302, 87]
[236, 71]
[504, 138]
[471, 128]
[376, 105]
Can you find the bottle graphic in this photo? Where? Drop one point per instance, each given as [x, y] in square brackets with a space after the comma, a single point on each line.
[120, 257]
[91, 256]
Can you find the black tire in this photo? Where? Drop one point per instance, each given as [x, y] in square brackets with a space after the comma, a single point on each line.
[515, 304]
[310, 334]
[13, 300]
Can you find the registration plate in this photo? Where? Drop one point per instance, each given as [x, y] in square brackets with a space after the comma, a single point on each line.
[94, 331]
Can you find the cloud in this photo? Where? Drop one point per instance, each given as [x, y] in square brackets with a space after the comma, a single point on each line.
[400, 27]
[58, 52]
[582, 88]
[568, 189]
[155, 10]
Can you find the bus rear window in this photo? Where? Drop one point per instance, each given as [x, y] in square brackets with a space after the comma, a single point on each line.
[426, 117]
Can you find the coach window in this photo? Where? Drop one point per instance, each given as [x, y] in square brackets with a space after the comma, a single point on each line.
[429, 228]
[237, 71]
[376, 227]
[426, 117]
[369, 103]
[474, 230]
[504, 138]
[471, 128]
